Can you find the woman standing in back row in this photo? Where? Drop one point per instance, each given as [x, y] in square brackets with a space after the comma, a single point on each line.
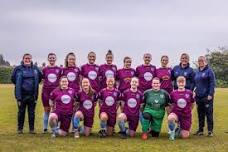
[51, 76]
[107, 70]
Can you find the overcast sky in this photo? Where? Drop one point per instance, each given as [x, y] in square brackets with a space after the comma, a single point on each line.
[128, 27]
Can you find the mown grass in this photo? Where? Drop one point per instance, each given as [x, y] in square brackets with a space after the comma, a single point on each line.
[10, 141]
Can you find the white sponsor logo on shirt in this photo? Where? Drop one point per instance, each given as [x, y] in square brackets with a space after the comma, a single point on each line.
[71, 76]
[109, 101]
[52, 77]
[109, 74]
[132, 103]
[92, 75]
[181, 103]
[65, 99]
[87, 104]
[148, 76]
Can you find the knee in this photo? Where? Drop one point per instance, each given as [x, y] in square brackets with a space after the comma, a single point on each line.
[122, 117]
[104, 116]
[53, 116]
[78, 114]
[147, 116]
[172, 117]
[184, 134]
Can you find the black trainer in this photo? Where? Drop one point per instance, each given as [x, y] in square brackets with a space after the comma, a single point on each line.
[102, 133]
[210, 134]
[123, 134]
[198, 133]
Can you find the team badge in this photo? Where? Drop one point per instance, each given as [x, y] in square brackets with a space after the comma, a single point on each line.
[132, 73]
[76, 70]
[96, 68]
[57, 70]
[156, 101]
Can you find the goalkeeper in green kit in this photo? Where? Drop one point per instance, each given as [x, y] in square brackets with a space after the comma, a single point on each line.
[156, 101]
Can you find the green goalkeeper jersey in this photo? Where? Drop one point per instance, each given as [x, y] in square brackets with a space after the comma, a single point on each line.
[156, 100]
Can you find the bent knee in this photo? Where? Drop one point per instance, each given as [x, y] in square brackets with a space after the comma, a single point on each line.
[172, 117]
[185, 134]
[104, 116]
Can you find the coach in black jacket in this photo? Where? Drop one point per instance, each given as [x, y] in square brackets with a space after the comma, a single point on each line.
[26, 78]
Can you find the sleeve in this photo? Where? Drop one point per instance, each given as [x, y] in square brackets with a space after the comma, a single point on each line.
[192, 98]
[18, 84]
[167, 99]
[39, 75]
[172, 74]
[82, 70]
[52, 95]
[118, 75]
[13, 75]
[155, 71]
[145, 97]
[212, 83]
[192, 80]
[43, 73]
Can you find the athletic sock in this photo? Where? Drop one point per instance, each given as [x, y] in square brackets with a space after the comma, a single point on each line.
[76, 122]
[172, 126]
[45, 120]
[103, 125]
[145, 125]
[121, 124]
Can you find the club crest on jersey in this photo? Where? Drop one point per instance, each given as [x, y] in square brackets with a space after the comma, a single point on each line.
[92, 75]
[156, 101]
[57, 70]
[169, 71]
[162, 96]
[65, 99]
[71, 76]
[187, 95]
[96, 68]
[148, 76]
[109, 101]
[137, 96]
[114, 68]
[76, 70]
[87, 104]
[115, 94]
[52, 77]
[109, 74]
[70, 91]
[132, 73]
[185, 73]
[152, 69]
[181, 103]
[131, 103]
[203, 74]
